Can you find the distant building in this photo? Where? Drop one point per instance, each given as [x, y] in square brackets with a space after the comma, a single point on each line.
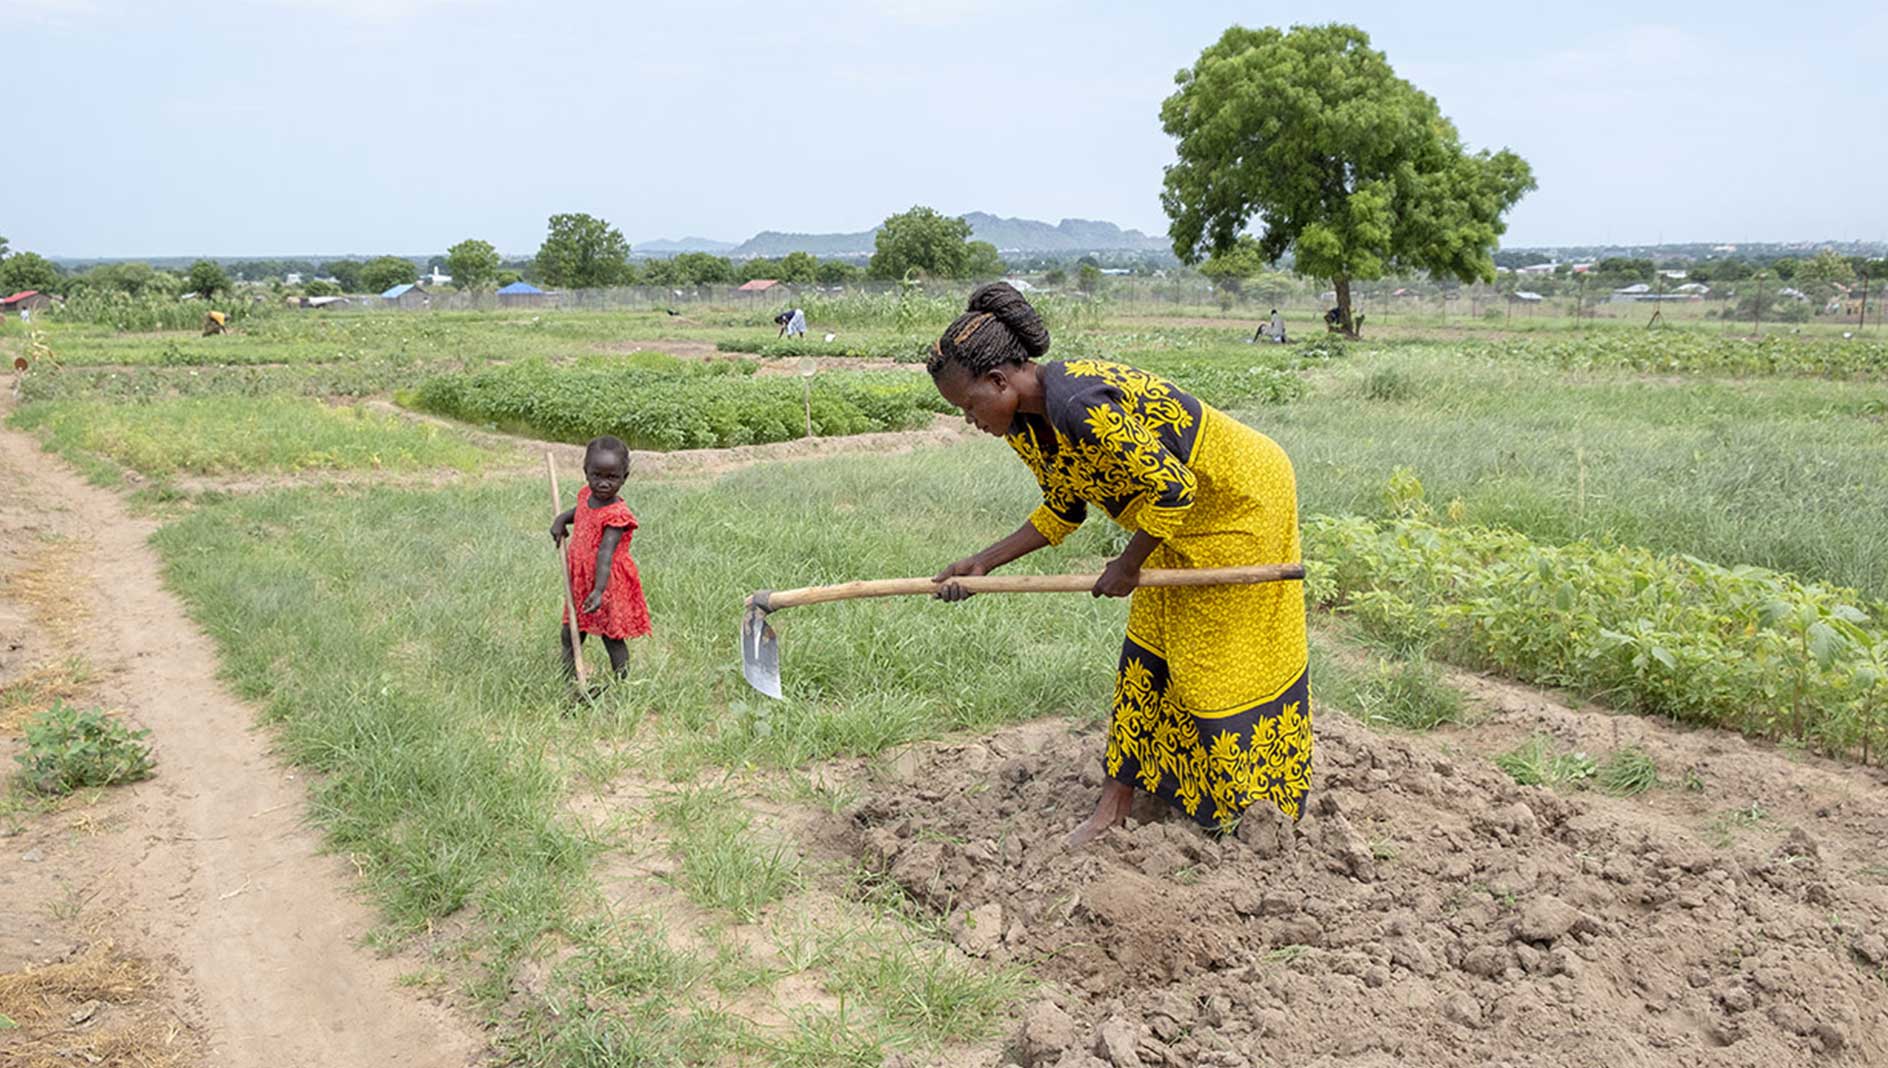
[320, 303]
[1527, 296]
[292, 278]
[436, 278]
[1675, 276]
[31, 300]
[522, 295]
[1539, 268]
[1697, 289]
[407, 296]
[758, 285]
[1020, 285]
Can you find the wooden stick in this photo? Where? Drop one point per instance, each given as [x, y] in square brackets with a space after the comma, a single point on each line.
[905, 587]
[563, 561]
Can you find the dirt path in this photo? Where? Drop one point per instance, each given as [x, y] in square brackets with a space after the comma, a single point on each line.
[206, 870]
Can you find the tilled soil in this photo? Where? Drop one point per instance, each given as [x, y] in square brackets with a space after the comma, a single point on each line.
[1426, 911]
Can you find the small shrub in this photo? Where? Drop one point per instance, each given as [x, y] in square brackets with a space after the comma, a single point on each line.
[67, 749]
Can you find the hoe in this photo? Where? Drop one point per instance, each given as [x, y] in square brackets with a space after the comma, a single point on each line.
[760, 646]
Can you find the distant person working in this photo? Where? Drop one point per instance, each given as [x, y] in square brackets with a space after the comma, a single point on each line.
[1273, 330]
[792, 323]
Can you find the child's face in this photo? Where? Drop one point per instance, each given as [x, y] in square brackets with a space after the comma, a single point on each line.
[606, 474]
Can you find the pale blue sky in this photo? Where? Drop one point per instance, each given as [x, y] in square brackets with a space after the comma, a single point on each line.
[140, 127]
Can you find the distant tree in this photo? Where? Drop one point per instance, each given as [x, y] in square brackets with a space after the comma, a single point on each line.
[1055, 276]
[839, 272]
[506, 278]
[1624, 269]
[981, 261]
[382, 274]
[345, 272]
[921, 240]
[1825, 269]
[799, 268]
[1088, 278]
[701, 269]
[473, 264]
[1784, 268]
[28, 270]
[317, 288]
[206, 279]
[758, 267]
[583, 252]
[1352, 169]
[1229, 269]
[3, 248]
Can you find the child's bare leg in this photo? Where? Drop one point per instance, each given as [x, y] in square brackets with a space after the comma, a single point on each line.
[564, 649]
[1112, 809]
[619, 656]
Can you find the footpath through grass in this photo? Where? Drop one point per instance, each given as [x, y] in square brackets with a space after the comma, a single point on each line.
[403, 642]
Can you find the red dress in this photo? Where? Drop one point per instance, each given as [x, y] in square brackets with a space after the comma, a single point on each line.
[623, 613]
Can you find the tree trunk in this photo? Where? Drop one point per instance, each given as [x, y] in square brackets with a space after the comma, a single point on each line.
[1345, 322]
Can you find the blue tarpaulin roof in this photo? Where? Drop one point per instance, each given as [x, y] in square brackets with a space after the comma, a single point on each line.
[397, 291]
[521, 287]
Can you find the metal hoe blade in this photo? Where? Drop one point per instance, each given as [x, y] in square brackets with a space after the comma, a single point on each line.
[760, 652]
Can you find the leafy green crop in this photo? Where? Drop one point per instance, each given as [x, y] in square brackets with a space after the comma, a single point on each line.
[709, 405]
[1743, 648]
[1671, 352]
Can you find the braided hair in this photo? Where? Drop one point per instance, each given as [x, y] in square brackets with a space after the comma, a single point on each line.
[998, 328]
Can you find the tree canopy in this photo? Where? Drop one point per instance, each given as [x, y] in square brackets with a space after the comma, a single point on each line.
[1353, 170]
[583, 252]
[27, 270]
[206, 279]
[931, 244]
[382, 274]
[473, 264]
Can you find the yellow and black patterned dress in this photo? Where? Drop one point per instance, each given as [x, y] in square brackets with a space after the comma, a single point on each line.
[1211, 707]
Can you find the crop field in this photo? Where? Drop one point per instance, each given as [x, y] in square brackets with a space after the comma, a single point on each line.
[1600, 663]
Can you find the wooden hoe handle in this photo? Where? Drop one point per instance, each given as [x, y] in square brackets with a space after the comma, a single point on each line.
[768, 600]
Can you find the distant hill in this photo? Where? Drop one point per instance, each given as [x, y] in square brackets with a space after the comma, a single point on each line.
[687, 244]
[1069, 235]
[1010, 236]
[772, 244]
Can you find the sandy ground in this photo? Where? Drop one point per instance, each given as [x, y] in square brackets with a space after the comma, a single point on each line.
[205, 876]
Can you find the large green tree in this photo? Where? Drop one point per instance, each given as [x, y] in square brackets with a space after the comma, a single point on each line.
[799, 268]
[924, 241]
[206, 279]
[583, 252]
[346, 273]
[382, 274]
[1350, 168]
[27, 270]
[473, 264]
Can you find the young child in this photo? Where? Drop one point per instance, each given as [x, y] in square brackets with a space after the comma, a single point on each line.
[603, 580]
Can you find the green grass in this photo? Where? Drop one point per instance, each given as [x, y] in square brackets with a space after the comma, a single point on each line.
[1403, 693]
[725, 864]
[224, 435]
[921, 988]
[1628, 772]
[1539, 762]
[1782, 473]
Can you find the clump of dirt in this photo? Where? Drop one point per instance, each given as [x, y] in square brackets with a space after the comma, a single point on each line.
[1426, 910]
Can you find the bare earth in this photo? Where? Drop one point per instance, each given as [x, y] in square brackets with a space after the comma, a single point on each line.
[205, 873]
[1427, 911]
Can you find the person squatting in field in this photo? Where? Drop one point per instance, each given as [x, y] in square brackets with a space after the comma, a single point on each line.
[604, 583]
[1211, 707]
[792, 323]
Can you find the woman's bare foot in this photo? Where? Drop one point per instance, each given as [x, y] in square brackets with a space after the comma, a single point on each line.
[1111, 810]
